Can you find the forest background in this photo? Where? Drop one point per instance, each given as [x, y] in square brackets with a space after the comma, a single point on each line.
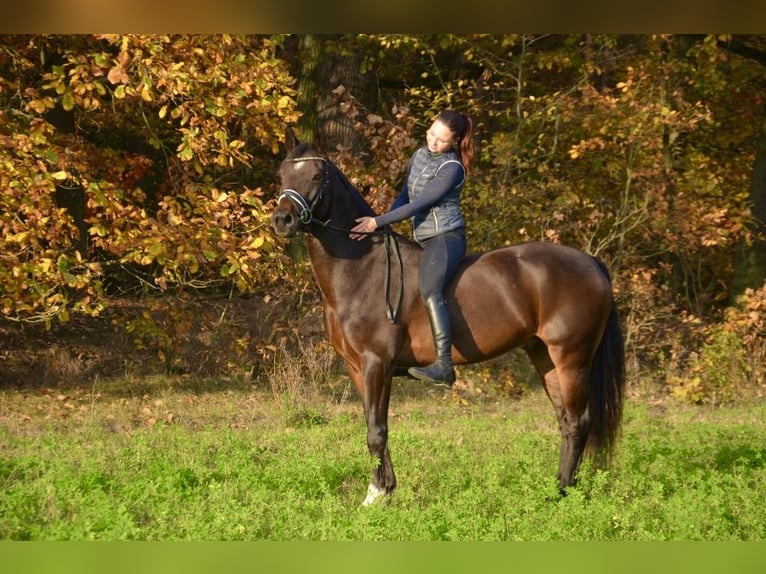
[138, 174]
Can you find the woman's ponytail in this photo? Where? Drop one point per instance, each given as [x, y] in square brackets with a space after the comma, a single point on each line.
[462, 126]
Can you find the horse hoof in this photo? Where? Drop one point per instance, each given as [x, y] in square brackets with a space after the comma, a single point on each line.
[373, 495]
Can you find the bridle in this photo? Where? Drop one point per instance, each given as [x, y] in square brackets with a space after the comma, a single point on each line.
[306, 217]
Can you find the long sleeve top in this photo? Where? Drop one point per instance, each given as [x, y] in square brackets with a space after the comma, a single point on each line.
[430, 196]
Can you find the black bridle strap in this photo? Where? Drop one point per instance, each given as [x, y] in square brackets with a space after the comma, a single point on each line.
[305, 215]
[391, 243]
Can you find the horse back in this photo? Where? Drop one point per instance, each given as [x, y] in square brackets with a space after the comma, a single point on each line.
[502, 298]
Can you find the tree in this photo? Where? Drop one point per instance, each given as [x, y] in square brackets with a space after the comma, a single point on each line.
[145, 161]
[322, 64]
[751, 263]
[168, 132]
[750, 53]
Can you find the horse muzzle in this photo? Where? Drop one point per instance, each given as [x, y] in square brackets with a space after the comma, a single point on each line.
[285, 222]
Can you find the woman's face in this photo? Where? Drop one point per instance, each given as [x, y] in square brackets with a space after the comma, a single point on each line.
[439, 138]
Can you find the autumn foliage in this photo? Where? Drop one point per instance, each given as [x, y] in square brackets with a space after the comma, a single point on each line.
[144, 165]
[137, 155]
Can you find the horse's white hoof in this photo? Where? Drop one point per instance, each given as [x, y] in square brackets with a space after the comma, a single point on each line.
[373, 495]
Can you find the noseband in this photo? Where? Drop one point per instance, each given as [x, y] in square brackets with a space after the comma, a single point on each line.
[306, 210]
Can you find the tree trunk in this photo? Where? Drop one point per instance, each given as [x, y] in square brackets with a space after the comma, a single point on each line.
[308, 55]
[750, 269]
[70, 198]
[324, 63]
[337, 68]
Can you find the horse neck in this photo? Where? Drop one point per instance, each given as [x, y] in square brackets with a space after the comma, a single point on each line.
[343, 268]
[330, 233]
[347, 202]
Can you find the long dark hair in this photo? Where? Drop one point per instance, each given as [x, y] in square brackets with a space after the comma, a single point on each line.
[462, 126]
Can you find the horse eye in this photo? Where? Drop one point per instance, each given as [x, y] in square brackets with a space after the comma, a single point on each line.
[317, 176]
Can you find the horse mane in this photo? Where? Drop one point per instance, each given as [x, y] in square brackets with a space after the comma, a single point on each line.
[340, 181]
[308, 150]
[353, 193]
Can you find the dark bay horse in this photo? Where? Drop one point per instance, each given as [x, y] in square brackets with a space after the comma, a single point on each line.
[553, 301]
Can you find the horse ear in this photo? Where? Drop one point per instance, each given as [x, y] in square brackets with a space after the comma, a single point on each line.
[291, 140]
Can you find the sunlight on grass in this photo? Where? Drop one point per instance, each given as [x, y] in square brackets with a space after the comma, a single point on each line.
[173, 459]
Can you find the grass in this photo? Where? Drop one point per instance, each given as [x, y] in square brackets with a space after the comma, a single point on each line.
[176, 459]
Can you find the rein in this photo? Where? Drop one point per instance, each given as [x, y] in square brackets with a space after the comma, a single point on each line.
[392, 243]
[392, 248]
[306, 217]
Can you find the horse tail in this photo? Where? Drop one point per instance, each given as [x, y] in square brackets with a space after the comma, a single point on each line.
[607, 384]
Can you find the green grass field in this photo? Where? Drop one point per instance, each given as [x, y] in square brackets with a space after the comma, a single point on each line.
[169, 459]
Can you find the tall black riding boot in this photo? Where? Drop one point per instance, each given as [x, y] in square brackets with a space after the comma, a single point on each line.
[441, 370]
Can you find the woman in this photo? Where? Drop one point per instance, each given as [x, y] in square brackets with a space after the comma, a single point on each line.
[431, 198]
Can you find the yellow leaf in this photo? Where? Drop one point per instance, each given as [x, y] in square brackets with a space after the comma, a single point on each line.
[60, 175]
[67, 102]
[256, 243]
[163, 111]
[40, 106]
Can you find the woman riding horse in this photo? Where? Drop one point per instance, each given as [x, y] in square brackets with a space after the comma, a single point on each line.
[431, 198]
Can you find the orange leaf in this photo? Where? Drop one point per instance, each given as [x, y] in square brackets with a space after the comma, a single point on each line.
[117, 75]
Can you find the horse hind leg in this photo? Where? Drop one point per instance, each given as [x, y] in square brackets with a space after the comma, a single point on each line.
[574, 440]
[565, 387]
[574, 418]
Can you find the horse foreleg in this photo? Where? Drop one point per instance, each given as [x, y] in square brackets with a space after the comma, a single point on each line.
[375, 385]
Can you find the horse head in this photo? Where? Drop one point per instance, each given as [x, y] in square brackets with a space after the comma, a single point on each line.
[304, 180]
[314, 190]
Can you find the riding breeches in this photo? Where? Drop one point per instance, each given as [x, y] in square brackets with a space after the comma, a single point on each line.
[441, 256]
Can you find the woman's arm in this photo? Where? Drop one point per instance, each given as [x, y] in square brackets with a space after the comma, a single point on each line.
[448, 177]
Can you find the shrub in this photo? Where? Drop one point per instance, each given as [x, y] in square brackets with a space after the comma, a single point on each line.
[732, 357]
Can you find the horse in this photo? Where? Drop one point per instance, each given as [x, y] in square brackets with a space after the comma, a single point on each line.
[553, 301]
